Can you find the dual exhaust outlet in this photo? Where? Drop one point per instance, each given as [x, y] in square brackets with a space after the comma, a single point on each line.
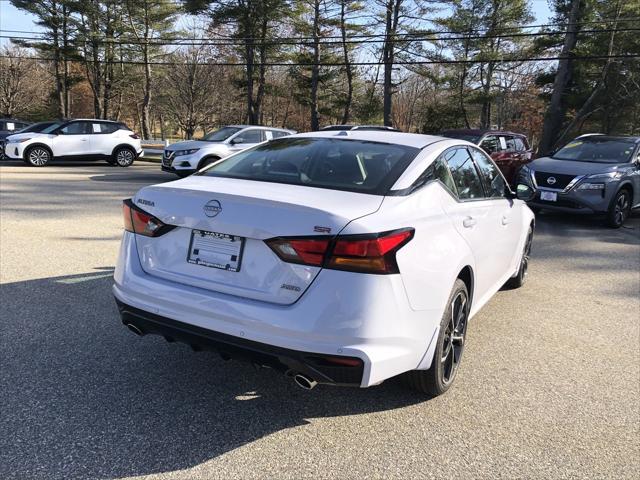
[303, 381]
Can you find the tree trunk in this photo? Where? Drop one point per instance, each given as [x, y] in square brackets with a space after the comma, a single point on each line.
[146, 101]
[347, 64]
[249, 54]
[315, 69]
[388, 57]
[262, 70]
[557, 110]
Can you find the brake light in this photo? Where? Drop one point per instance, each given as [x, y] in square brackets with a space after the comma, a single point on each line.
[135, 136]
[374, 253]
[140, 222]
[307, 251]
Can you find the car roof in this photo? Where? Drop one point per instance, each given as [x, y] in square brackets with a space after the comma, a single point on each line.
[415, 140]
[600, 136]
[481, 131]
[91, 120]
[261, 127]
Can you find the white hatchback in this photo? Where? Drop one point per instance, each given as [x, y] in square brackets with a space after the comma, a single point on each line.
[79, 139]
[338, 258]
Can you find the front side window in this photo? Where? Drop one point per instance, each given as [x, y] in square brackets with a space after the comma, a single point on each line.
[597, 149]
[249, 136]
[77, 128]
[464, 173]
[490, 144]
[341, 164]
[494, 184]
[519, 144]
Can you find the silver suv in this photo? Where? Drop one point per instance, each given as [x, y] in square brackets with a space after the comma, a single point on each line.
[591, 174]
[184, 158]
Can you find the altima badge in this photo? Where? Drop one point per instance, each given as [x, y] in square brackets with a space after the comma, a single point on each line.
[212, 208]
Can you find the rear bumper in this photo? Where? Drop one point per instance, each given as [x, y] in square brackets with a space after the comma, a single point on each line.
[323, 369]
[341, 314]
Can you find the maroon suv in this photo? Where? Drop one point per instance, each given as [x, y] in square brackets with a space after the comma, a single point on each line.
[508, 149]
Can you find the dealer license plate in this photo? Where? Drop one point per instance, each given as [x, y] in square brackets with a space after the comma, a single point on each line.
[215, 250]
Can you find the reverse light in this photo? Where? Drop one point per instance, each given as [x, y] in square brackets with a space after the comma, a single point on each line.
[369, 253]
[140, 222]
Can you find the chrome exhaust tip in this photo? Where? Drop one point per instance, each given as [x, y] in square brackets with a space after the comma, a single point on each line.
[134, 329]
[304, 382]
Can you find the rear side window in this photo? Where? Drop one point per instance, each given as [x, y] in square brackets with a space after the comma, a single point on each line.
[519, 144]
[494, 184]
[108, 127]
[464, 173]
[340, 164]
[279, 133]
[438, 170]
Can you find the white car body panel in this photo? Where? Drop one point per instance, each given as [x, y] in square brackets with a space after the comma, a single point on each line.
[388, 321]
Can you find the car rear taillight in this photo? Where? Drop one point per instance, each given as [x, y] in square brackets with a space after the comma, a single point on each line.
[375, 253]
[140, 222]
[135, 136]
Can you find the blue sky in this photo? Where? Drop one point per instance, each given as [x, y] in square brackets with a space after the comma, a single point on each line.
[13, 19]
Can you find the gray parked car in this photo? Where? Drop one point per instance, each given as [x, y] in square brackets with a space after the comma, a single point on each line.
[184, 158]
[592, 174]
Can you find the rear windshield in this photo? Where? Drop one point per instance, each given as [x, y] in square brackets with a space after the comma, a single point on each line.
[596, 150]
[340, 164]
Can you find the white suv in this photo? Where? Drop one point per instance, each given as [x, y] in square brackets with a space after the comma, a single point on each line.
[77, 140]
[184, 158]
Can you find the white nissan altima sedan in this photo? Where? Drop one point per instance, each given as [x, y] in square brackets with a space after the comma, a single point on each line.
[341, 258]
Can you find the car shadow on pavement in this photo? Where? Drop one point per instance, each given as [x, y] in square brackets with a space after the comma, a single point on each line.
[82, 397]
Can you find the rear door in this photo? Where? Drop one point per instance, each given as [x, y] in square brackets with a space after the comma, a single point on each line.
[102, 139]
[476, 219]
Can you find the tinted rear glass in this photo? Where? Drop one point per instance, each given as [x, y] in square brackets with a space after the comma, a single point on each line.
[340, 164]
[596, 150]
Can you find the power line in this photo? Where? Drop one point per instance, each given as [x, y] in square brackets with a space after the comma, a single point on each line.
[413, 35]
[340, 64]
[322, 40]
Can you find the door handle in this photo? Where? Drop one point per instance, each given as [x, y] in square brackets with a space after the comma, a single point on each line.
[505, 220]
[83, 139]
[469, 222]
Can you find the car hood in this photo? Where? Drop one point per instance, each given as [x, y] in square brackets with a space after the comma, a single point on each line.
[571, 167]
[19, 136]
[189, 144]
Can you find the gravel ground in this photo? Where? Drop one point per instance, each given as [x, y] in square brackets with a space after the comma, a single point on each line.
[549, 386]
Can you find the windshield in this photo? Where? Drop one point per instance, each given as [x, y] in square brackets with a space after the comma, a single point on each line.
[220, 135]
[596, 150]
[38, 127]
[469, 137]
[340, 164]
[51, 128]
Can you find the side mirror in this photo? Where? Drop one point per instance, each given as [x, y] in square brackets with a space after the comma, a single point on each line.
[524, 192]
[237, 140]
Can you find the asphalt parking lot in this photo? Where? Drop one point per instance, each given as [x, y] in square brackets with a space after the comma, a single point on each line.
[549, 386]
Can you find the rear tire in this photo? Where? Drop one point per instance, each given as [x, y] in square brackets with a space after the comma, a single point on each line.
[619, 209]
[448, 353]
[521, 277]
[37, 156]
[124, 156]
